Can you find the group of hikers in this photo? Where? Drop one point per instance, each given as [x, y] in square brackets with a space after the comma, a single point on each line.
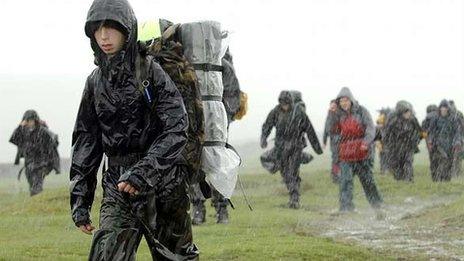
[354, 139]
[156, 111]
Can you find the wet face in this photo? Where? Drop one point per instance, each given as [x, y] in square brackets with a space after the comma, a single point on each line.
[345, 103]
[109, 39]
[444, 111]
[333, 106]
[30, 124]
[285, 107]
[407, 115]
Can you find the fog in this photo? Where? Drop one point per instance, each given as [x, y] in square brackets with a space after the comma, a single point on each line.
[384, 51]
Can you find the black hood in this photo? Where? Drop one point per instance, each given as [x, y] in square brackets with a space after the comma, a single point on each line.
[285, 98]
[118, 11]
[31, 115]
[444, 103]
[403, 107]
[432, 108]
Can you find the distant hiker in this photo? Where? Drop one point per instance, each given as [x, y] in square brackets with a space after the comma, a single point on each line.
[457, 163]
[38, 146]
[381, 120]
[444, 141]
[132, 112]
[401, 136]
[291, 123]
[330, 132]
[356, 150]
[432, 112]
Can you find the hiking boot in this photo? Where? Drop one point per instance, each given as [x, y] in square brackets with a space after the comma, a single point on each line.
[294, 205]
[199, 215]
[223, 216]
[294, 202]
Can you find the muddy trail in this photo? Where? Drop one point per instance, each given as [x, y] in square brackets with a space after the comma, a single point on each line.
[394, 229]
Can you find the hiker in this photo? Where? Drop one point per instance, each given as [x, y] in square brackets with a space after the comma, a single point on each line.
[234, 101]
[356, 150]
[329, 131]
[401, 136]
[382, 118]
[444, 141]
[291, 123]
[133, 113]
[457, 163]
[432, 112]
[38, 146]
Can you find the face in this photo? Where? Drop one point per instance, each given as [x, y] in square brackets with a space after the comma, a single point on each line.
[345, 103]
[333, 106]
[407, 115]
[444, 111]
[30, 124]
[109, 40]
[285, 107]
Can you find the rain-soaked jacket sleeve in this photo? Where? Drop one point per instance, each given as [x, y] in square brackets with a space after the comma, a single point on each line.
[86, 158]
[312, 136]
[17, 136]
[327, 127]
[367, 121]
[458, 138]
[166, 149]
[270, 123]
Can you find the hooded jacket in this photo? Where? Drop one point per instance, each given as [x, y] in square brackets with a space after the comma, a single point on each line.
[115, 118]
[38, 145]
[290, 126]
[355, 128]
[401, 135]
[445, 134]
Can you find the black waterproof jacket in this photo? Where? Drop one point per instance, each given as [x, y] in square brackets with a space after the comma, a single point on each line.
[117, 118]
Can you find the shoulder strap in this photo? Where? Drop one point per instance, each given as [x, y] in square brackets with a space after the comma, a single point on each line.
[142, 75]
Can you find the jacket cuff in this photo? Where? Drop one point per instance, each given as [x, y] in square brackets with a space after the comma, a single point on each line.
[135, 180]
[82, 219]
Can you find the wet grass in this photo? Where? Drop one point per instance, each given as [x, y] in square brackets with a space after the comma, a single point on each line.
[40, 228]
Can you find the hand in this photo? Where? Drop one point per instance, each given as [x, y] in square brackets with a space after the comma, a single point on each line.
[128, 188]
[429, 146]
[364, 147]
[324, 146]
[23, 123]
[88, 228]
[263, 143]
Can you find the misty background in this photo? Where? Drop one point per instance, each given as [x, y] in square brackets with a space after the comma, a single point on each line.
[384, 51]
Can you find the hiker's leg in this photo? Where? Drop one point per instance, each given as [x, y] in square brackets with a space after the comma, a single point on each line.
[198, 204]
[408, 167]
[364, 171]
[173, 226]
[119, 234]
[220, 203]
[346, 187]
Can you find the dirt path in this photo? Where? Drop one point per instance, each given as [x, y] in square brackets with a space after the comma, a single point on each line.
[390, 231]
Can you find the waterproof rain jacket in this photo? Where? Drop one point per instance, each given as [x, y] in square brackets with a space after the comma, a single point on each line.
[355, 129]
[116, 119]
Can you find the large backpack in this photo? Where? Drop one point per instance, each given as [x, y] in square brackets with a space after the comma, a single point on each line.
[168, 52]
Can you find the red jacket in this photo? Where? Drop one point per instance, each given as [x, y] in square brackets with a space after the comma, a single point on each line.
[352, 134]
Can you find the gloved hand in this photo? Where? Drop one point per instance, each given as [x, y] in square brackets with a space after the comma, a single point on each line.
[263, 142]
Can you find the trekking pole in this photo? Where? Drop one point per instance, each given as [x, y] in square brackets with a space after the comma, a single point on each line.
[243, 192]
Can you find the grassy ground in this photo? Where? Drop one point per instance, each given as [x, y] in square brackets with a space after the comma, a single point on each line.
[40, 228]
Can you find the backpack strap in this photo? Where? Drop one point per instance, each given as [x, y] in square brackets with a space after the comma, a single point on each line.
[208, 67]
[142, 75]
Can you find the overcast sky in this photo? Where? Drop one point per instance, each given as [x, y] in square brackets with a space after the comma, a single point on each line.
[384, 50]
